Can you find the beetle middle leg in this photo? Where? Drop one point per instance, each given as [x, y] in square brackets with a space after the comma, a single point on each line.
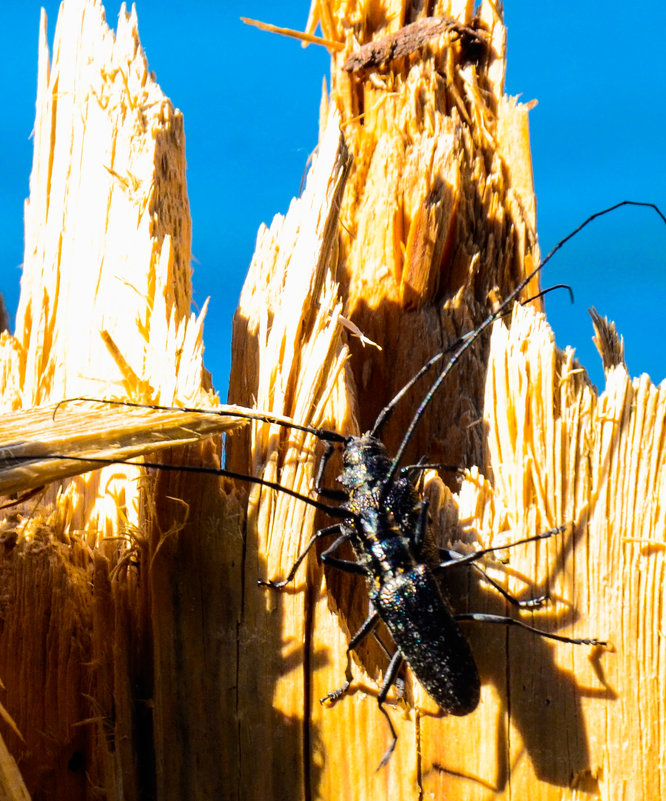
[455, 559]
[340, 563]
[450, 559]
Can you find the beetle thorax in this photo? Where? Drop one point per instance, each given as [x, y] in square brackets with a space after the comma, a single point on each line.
[366, 465]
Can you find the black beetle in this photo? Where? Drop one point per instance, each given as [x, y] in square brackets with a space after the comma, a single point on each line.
[384, 516]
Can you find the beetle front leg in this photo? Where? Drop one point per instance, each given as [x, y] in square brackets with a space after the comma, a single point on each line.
[346, 565]
[332, 494]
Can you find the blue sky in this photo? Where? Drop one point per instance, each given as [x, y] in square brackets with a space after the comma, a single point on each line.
[250, 101]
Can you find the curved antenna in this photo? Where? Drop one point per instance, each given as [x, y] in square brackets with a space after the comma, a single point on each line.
[246, 414]
[334, 511]
[548, 289]
[469, 339]
[386, 412]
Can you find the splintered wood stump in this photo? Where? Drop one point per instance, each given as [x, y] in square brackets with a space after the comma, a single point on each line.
[140, 659]
[112, 583]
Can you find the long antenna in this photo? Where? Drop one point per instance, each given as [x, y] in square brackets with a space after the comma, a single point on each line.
[386, 412]
[237, 411]
[334, 511]
[470, 338]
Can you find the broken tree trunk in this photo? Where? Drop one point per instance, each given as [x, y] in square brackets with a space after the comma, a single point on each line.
[114, 589]
[438, 210]
[139, 656]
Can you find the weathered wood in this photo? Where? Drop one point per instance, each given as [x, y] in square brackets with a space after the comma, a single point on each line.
[118, 646]
[140, 658]
[410, 38]
[438, 209]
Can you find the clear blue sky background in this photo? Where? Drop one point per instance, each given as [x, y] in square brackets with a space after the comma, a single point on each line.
[251, 99]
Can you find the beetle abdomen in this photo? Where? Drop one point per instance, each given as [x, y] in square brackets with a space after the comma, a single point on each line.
[423, 628]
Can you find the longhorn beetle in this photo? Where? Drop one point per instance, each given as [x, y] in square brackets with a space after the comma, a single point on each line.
[382, 513]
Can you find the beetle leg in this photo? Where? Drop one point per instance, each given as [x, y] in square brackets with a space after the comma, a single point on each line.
[346, 565]
[323, 532]
[529, 603]
[389, 678]
[455, 558]
[421, 524]
[332, 494]
[509, 621]
[368, 626]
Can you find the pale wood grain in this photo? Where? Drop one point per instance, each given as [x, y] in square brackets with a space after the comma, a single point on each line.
[107, 576]
[135, 633]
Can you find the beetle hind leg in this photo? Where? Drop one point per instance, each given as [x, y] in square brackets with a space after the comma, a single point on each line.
[389, 678]
[368, 626]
